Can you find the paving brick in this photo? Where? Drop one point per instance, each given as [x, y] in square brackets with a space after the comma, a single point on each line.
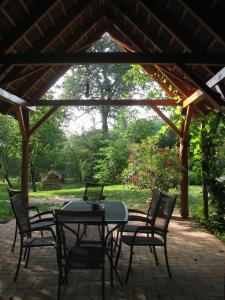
[197, 260]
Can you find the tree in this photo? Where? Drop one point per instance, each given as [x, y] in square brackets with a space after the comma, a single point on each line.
[98, 81]
[10, 148]
[46, 143]
[204, 149]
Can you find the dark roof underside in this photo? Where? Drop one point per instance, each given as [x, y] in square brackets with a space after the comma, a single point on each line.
[162, 26]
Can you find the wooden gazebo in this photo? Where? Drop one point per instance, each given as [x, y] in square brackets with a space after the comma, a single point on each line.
[180, 44]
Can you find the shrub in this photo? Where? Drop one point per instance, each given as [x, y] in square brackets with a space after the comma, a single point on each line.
[152, 167]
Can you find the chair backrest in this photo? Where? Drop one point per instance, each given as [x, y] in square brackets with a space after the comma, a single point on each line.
[12, 192]
[154, 204]
[20, 212]
[164, 212]
[93, 192]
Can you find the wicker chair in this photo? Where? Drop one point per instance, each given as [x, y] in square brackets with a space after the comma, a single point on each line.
[33, 219]
[93, 192]
[139, 216]
[154, 235]
[84, 254]
[26, 229]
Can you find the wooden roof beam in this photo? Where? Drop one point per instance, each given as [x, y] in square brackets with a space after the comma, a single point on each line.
[68, 47]
[173, 30]
[206, 18]
[151, 70]
[54, 33]
[27, 25]
[197, 96]
[116, 57]
[114, 102]
[13, 99]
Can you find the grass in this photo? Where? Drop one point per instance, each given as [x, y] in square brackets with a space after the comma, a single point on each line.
[135, 199]
[132, 198]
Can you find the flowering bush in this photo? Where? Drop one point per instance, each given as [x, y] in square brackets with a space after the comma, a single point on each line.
[152, 167]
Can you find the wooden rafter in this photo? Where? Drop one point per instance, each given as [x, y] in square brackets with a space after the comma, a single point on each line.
[151, 70]
[206, 89]
[162, 48]
[209, 20]
[12, 78]
[116, 57]
[45, 42]
[13, 99]
[67, 48]
[27, 25]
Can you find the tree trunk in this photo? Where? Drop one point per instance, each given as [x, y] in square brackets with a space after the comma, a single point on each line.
[105, 114]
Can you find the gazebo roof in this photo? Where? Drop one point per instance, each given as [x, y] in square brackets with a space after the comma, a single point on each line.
[187, 39]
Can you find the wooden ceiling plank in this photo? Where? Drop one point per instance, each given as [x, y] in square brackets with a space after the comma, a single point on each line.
[27, 25]
[174, 31]
[12, 79]
[9, 18]
[58, 29]
[208, 21]
[69, 47]
[149, 69]
[153, 39]
[4, 3]
[196, 97]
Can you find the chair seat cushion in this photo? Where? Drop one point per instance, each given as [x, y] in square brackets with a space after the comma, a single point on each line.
[142, 241]
[39, 241]
[85, 257]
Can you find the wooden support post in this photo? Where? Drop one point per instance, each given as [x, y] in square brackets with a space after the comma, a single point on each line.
[184, 165]
[25, 157]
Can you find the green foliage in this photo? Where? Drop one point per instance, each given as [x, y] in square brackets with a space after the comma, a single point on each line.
[152, 167]
[208, 165]
[112, 160]
[10, 147]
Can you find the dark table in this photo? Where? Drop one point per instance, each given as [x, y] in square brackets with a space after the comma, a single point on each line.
[116, 212]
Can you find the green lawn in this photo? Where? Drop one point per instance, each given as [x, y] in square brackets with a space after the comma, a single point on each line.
[113, 192]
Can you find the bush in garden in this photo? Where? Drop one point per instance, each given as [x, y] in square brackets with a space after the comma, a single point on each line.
[152, 167]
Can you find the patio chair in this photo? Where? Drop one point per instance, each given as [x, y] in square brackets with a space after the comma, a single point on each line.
[139, 216]
[12, 192]
[93, 192]
[154, 235]
[84, 254]
[26, 229]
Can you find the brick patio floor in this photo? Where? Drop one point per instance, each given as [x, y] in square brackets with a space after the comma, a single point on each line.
[197, 261]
